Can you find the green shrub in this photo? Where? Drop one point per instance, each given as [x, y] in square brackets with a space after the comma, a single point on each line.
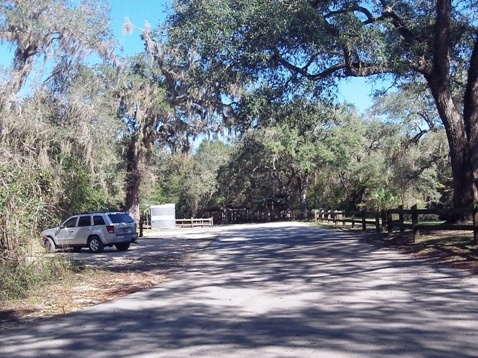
[17, 278]
[23, 189]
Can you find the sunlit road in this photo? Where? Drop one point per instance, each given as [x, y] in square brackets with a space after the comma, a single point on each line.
[278, 290]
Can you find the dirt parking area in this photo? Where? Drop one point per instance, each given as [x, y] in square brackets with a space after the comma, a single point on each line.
[109, 275]
[166, 251]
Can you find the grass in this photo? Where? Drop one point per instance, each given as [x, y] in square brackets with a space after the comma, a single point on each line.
[79, 287]
[30, 269]
[18, 281]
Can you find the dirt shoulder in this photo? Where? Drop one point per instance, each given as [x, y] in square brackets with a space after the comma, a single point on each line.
[454, 249]
[107, 276]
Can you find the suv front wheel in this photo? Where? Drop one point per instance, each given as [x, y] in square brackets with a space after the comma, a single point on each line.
[95, 244]
[49, 244]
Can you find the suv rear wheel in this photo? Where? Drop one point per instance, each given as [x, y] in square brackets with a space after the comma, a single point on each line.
[95, 244]
[122, 246]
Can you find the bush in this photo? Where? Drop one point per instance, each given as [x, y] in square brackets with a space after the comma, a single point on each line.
[17, 278]
[22, 207]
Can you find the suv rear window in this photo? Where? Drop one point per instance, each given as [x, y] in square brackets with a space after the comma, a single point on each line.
[98, 220]
[117, 218]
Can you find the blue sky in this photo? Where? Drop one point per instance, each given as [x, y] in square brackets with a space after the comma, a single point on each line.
[357, 91]
[139, 12]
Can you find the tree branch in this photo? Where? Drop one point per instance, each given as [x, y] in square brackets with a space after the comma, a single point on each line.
[399, 25]
[356, 8]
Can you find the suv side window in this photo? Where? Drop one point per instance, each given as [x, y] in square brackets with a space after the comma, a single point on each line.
[98, 220]
[71, 222]
[84, 221]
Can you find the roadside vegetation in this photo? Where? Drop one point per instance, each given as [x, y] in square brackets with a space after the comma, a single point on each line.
[239, 114]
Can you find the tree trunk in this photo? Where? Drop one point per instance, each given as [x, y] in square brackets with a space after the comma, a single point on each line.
[464, 187]
[303, 184]
[133, 177]
[438, 78]
[470, 116]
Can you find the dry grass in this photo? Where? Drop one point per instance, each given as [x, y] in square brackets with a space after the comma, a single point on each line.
[86, 288]
[450, 248]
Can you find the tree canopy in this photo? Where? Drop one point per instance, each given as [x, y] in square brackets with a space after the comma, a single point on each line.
[55, 31]
[297, 45]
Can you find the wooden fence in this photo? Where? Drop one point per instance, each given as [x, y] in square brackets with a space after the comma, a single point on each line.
[194, 222]
[401, 219]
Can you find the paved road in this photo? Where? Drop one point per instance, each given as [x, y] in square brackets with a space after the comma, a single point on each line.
[279, 290]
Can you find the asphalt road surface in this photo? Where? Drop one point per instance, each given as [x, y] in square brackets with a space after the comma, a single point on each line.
[276, 290]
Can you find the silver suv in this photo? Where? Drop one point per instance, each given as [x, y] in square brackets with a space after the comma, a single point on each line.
[92, 230]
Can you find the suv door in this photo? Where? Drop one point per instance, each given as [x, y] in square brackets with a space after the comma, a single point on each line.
[66, 232]
[99, 226]
[83, 230]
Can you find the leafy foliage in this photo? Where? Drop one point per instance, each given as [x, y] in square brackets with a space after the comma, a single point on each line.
[299, 48]
[54, 30]
[200, 187]
[350, 163]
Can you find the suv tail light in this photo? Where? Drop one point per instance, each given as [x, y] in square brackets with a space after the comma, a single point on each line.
[110, 229]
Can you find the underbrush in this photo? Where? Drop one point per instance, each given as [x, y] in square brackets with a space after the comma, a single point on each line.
[18, 277]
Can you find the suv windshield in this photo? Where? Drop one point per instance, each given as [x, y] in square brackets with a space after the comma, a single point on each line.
[117, 218]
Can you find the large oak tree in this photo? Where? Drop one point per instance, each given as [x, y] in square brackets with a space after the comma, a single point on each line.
[291, 42]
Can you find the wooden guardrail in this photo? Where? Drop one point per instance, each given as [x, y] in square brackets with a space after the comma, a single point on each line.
[194, 222]
[384, 220]
[363, 218]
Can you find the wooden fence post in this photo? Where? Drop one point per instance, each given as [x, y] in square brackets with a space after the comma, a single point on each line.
[383, 214]
[400, 218]
[377, 221]
[353, 219]
[389, 223]
[416, 232]
[364, 223]
[475, 223]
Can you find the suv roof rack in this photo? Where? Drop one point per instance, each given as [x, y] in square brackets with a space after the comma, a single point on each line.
[101, 212]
